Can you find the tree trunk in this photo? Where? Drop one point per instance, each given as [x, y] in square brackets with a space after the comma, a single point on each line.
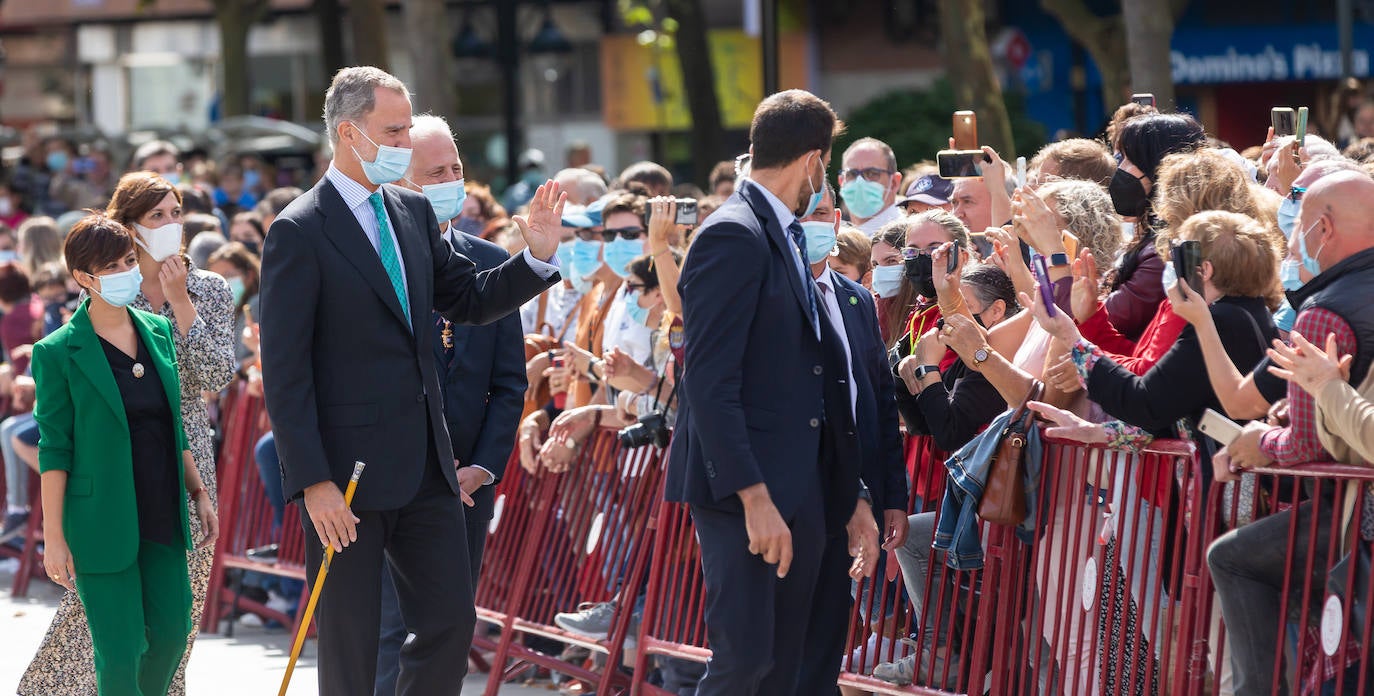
[235, 18]
[699, 83]
[968, 60]
[1104, 40]
[428, 35]
[329, 19]
[368, 20]
[1148, 33]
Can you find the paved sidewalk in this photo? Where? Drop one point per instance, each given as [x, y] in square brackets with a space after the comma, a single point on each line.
[249, 664]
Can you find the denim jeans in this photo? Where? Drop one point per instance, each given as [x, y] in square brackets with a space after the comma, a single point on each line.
[269, 469]
[16, 471]
[1247, 566]
[914, 558]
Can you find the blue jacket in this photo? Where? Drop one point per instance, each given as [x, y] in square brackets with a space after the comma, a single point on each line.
[484, 384]
[958, 530]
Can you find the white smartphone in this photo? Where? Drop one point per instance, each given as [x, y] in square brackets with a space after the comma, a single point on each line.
[1219, 427]
[1020, 172]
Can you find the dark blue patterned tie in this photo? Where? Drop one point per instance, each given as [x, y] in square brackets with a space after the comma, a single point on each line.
[808, 286]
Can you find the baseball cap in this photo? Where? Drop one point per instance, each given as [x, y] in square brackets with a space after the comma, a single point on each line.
[576, 216]
[929, 189]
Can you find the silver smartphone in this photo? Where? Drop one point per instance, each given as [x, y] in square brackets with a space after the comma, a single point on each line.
[1219, 427]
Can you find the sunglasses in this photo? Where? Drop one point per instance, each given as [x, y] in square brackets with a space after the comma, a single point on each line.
[1296, 193]
[626, 233]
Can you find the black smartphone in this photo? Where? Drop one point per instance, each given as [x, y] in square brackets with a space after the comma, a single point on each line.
[1284, 120]
[961, 164]
[687, 212]
[1188, 263]
[1144, 99]
[952, 262]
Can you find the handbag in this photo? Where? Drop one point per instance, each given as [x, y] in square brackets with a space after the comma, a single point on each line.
[1004, 494]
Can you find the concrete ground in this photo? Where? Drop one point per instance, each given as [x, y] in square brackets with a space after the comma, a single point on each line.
[249, 664]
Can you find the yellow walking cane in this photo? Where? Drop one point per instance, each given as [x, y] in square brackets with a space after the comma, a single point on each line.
[319, 585]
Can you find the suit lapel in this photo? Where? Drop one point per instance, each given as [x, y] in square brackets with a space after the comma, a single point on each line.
[88, 355]
[778, 236]
[401, 224]
[342, 230]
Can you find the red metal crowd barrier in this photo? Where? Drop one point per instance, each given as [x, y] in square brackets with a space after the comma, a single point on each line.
[248, 522]
[584, 542]
[29, 555]
[673, 624]
[514, 509]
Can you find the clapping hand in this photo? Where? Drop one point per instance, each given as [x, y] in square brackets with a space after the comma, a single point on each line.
[542, 227]
[1006, 255]
[1087, 286]
[1309, 366]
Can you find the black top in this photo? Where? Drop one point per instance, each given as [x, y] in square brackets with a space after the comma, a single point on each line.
[952, 410]
[153, 441]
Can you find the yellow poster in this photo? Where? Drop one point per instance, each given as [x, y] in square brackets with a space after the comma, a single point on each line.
[641, 86]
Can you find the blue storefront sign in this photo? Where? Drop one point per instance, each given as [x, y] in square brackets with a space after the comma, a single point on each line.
[1264, 54]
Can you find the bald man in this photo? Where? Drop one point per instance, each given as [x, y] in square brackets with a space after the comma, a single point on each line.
[1334, 241]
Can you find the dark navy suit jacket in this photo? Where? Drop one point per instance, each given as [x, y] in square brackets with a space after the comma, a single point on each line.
[884, 467]
[762, 400]
[484, 383]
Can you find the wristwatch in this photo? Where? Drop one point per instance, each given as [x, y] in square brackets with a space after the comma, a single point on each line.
[1059, 258]
[981, 355]
[924, 370]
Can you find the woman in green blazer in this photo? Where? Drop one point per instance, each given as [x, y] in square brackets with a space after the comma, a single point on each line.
[115, 467]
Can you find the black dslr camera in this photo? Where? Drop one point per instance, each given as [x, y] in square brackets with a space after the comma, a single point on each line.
[652, 429]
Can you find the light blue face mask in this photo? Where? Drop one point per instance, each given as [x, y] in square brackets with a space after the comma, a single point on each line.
[887, 280]
[446, 198]
[565, 254]
[7, 255]
[1313, 266]
[637, 314]
[820, 240]
[119, 289]
[1288, 214]
[816, 196]
[236, 286]
[621, 252]
[863, 197]
[390, 164]
[585, 258]
[172, 178]
[1289, 275]
[1169, 278]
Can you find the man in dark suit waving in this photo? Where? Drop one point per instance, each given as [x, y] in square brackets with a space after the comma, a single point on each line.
[351, 271]
[765, 451]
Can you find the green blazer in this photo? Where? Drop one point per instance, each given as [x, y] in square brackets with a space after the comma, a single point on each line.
[83, 431]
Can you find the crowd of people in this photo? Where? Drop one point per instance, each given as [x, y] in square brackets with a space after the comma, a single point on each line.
[777, 333]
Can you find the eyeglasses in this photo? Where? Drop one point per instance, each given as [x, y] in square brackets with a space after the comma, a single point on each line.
[909, 253]
[874, 174]
[626, 233]
[1296, 193]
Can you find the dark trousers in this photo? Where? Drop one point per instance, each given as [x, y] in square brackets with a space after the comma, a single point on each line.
[426, 544]
[756, 623]
[393, 629]
[834, 599]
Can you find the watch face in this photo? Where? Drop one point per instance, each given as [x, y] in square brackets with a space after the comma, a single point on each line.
[980, 355]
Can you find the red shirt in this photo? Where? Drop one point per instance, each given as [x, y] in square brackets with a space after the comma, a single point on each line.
[1137, 356]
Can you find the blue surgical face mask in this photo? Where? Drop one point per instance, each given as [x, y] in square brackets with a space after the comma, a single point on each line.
[172, 178]
[390, 164]
[816, 196]
[863, 197]
[820, 240]
[1313, 266]
[446, 198]
[565, 254]
[1169, 278]
[119, 289]
[585, 259]
[236, 286]
[887, 280]
[1288, 214]
[7, 255]
[637, 314]
[621, 252]
[251, 178]
[1289, 274]
[56, 161]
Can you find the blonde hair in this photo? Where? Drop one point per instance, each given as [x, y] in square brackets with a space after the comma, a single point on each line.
[1195, 182]
[1244, 257]
[854, 249]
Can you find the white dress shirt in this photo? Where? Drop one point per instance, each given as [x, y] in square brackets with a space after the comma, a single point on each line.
[876, 222]
[831, 302]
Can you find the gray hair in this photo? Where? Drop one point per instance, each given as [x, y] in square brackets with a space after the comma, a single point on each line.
[582, 184]
[352, 95]
[1088, 213]
[427, 125]
[1318, 148]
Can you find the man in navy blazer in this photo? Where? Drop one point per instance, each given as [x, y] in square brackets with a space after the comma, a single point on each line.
[766, 451]
[481, 374]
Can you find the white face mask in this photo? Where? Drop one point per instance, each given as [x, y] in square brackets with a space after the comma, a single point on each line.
[161, 242]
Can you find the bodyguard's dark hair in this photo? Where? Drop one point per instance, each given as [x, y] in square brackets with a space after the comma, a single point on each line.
[1147, 140]
[790, 124]
[95, 241]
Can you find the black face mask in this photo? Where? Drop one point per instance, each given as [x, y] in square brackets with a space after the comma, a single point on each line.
[921, 272]
[1128, 194]
[979, 318]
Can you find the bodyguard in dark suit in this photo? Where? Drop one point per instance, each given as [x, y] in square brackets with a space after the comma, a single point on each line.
[351, 272]
[481, 373]
[765, 451]
[851, 309]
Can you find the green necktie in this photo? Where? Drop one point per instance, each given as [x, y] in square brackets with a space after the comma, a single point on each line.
[387, 248]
